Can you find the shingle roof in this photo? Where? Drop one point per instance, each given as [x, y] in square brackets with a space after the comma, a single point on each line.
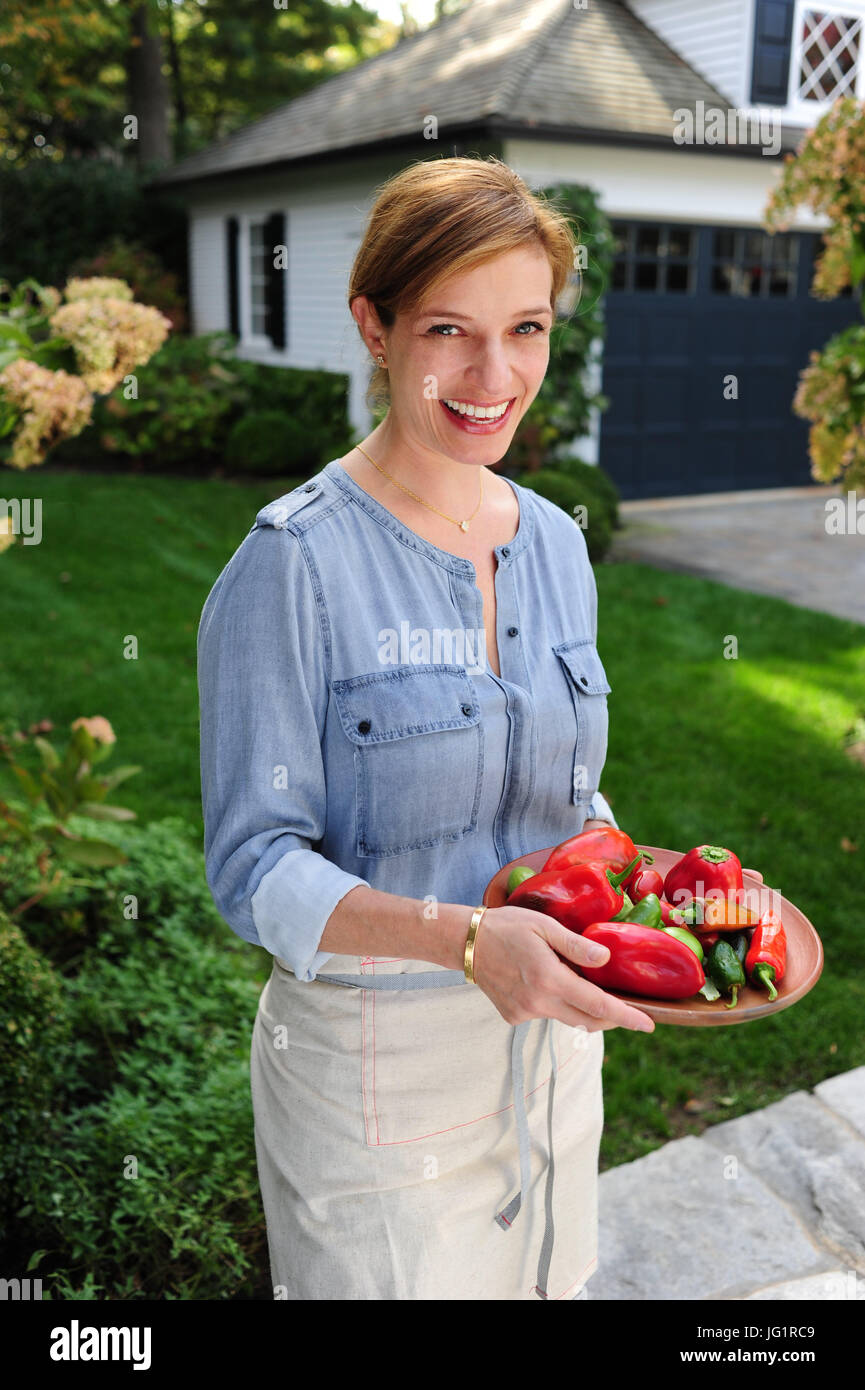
[505, 64]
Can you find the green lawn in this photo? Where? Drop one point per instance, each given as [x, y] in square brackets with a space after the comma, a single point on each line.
[747, 752]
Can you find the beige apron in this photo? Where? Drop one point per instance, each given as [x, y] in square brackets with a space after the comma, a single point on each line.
[404, 1131]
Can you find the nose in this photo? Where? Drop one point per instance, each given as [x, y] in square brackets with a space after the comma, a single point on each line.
[491, 371]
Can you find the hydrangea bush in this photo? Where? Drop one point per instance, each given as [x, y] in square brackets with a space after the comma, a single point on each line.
[827, 174]
[56, 356]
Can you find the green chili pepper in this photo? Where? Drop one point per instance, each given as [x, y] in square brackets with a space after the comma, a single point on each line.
[740, 945]
[645, 913]
[682, 934]
[725, 969]
[627, 906]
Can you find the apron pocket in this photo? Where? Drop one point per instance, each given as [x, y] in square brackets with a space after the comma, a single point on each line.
[589, 689]
[418, 756]
[438, 1061]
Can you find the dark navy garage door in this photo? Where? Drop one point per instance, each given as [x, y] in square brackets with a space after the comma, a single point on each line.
[689, 307]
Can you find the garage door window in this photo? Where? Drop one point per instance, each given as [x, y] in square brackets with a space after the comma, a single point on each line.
[653, 257]
[753, 264]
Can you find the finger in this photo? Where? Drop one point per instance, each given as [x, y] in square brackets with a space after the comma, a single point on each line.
[578, 1020]
[574, 947]
[599, 1004]
[577, 993]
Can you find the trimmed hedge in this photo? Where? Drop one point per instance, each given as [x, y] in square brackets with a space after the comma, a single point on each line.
[573, 484]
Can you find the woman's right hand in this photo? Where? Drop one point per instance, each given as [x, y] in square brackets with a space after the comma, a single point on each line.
[516, 966]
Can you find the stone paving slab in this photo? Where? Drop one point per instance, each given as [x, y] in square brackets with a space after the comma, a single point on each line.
[770, 1205]
[813, 1160]
[846, 1094]
[771, 542]
[672, 1227]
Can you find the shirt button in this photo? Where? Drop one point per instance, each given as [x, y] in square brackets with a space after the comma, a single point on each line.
[467, 709]
[584, 680]
[505, 551]
[364, 726]
[310, 487]
[512, 631]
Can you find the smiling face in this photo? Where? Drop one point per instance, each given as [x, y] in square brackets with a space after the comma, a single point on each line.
[465, 367]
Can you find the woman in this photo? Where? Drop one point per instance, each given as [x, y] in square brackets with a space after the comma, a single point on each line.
[400, 692]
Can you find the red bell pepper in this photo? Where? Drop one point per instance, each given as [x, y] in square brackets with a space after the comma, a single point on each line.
[603, 845]
[767, 955]
[705, 868]
[575, 895]
[643, 961]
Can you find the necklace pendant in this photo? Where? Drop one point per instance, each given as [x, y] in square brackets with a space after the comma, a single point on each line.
[464, 526]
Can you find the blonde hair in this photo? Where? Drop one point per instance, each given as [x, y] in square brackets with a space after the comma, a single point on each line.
[440, 217]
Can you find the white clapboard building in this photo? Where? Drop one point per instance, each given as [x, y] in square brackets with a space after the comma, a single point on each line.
[677, 112]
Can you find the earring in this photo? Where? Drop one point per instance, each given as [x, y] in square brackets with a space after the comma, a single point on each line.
[380, 360]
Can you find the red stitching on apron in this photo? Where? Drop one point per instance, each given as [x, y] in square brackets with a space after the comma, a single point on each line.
[589, 1269]
[431, 1134]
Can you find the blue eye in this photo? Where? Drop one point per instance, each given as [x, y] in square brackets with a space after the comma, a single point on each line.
[436, 328]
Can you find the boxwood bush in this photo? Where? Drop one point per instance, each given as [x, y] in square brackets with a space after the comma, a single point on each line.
[575, 484]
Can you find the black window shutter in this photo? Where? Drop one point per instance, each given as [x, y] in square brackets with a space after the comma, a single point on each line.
[773, 40]
[232, 233]
[274, 314]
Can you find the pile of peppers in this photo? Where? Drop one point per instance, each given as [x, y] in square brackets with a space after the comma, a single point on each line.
[692, 932]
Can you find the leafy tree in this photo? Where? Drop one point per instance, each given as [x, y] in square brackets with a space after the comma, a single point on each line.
[73, 71]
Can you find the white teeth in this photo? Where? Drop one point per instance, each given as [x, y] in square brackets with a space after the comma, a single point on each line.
[479, 412]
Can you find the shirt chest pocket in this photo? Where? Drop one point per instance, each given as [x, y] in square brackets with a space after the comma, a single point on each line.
[418, 756]
[589, 688]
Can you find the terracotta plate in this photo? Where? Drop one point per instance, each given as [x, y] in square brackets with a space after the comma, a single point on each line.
[804, 953]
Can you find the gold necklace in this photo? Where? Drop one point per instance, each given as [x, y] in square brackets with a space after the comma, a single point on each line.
[463, 525]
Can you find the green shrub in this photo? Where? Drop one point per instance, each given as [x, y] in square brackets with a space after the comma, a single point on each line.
[595, 480]
[562, 409]
[143, 271]
[57, 211]
[147, 1180]
[317, 403]
[34, 1036]
[269, 442]
[569, 493]
[193, 393]
[187, 395]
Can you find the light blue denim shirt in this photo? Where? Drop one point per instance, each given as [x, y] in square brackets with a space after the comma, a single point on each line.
[351, 729]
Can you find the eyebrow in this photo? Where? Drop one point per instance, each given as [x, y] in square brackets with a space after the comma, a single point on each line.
[451, 314]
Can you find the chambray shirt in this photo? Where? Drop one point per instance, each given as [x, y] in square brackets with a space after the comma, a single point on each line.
[352, 730]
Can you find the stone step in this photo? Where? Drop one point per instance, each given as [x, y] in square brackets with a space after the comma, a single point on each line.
[770, 1205]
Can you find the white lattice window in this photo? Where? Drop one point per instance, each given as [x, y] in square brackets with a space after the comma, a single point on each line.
[827, 55]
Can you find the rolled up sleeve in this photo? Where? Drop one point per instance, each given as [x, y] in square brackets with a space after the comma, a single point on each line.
[600, 809]
[262, 684]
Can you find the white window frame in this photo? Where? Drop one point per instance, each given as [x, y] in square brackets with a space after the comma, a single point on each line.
[811, 111]
[249, 339]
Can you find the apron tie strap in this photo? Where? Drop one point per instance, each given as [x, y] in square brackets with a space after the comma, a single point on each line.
[422, 979]
[549, 1229]
[508, 1214]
